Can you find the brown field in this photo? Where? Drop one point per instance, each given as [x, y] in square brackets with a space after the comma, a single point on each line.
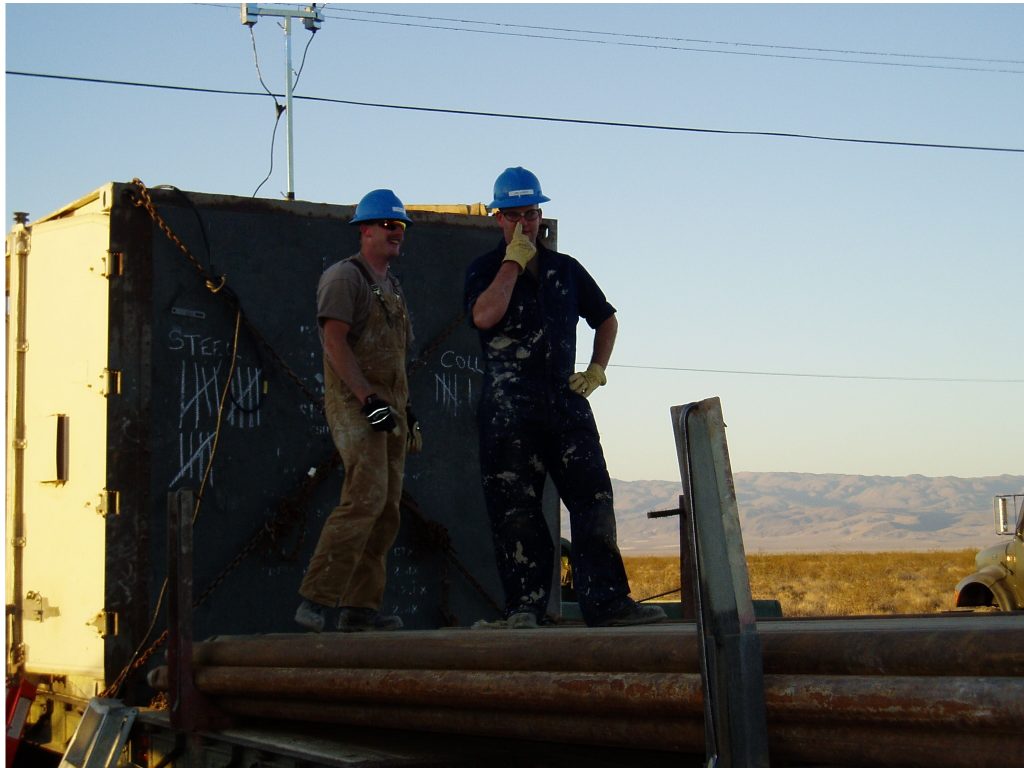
[831, 584]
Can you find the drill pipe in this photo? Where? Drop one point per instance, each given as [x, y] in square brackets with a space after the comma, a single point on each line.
[954, 703]
[831, 742]
[932, 646]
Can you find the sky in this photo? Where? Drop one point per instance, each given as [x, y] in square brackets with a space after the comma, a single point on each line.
[858, 306]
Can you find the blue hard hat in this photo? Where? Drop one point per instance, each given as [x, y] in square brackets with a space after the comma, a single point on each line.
[380, 204]
[516, 187]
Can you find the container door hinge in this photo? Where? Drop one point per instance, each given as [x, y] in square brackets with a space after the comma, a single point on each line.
[111, 382]
[38, 608]
[105, 622]
[113, 264]
[109, 503]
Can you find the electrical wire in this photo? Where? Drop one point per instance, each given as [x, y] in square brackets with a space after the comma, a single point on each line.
[539, 118]
[278, 109]
[690, 49]
[942, 379]
[666, 38]
[681, 39]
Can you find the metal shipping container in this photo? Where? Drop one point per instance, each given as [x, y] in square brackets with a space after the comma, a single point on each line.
[125, 322]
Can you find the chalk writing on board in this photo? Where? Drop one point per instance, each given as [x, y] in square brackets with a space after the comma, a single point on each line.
[456, 382]
[201, 387]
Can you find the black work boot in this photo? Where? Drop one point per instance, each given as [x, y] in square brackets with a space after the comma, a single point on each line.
[632, 615]
[367, 620]
[311, 615]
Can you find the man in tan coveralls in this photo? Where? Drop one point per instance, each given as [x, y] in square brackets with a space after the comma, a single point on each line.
[366, 333]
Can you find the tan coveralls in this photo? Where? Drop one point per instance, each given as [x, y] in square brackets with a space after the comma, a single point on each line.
[348, 567]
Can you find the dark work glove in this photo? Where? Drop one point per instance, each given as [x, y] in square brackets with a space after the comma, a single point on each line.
[380, 414]
[414, 438]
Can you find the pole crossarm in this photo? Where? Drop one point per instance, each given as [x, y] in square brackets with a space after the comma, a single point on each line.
[311, 16]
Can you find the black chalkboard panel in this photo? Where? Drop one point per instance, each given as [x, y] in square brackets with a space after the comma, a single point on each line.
[274, 477]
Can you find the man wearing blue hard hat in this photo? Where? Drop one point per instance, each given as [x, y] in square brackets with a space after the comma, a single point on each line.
[366, 334]
[526, 301]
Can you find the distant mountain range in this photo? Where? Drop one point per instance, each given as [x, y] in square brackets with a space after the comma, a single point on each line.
[792, 512]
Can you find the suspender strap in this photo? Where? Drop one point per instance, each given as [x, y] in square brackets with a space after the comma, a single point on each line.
[375, 287]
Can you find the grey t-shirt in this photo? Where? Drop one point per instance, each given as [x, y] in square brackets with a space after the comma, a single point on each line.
[344, 294]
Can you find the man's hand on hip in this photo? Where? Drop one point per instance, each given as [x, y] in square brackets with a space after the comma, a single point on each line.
[587, 381]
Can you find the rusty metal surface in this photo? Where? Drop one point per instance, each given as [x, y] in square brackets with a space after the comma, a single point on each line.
[858, 692]
[578, 692]
[956, 703]
[893, 747]
[937, 645]
[830, 743]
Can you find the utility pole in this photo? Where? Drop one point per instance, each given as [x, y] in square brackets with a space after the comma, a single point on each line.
[311, 20]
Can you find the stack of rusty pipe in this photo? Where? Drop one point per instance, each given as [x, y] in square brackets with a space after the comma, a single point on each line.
[935, 691]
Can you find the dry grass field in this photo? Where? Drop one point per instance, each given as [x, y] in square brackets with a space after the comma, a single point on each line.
[831, 584]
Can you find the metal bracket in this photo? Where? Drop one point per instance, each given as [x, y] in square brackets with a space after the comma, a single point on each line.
[111, 382]
[43, 609]
[106, 623]
[113, 264]
[109, 503]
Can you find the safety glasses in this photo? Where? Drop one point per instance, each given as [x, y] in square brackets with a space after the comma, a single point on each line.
[391, 225]
[516, 216]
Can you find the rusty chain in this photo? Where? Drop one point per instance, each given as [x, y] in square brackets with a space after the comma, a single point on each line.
[142, 199]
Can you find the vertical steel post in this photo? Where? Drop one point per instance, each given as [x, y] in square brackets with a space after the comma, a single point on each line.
[189, 709]
[731, 667]
[19, 246]
[288, 106]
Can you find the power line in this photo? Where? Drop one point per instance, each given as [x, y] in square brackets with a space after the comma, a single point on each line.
[771, 46]
[684, 39]
[941, 379]
[698, 50]
[538, 118]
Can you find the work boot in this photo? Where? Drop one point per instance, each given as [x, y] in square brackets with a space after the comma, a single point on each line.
[632, 615]
[311, 615]
[523, 620]
[367, 620]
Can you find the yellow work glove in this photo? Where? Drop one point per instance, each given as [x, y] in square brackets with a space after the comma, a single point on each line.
[520, 250]
[586, 382]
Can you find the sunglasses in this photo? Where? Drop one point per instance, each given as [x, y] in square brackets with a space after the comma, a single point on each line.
[390, 225]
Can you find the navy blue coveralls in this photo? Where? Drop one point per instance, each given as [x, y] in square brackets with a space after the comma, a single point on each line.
[532, 424]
